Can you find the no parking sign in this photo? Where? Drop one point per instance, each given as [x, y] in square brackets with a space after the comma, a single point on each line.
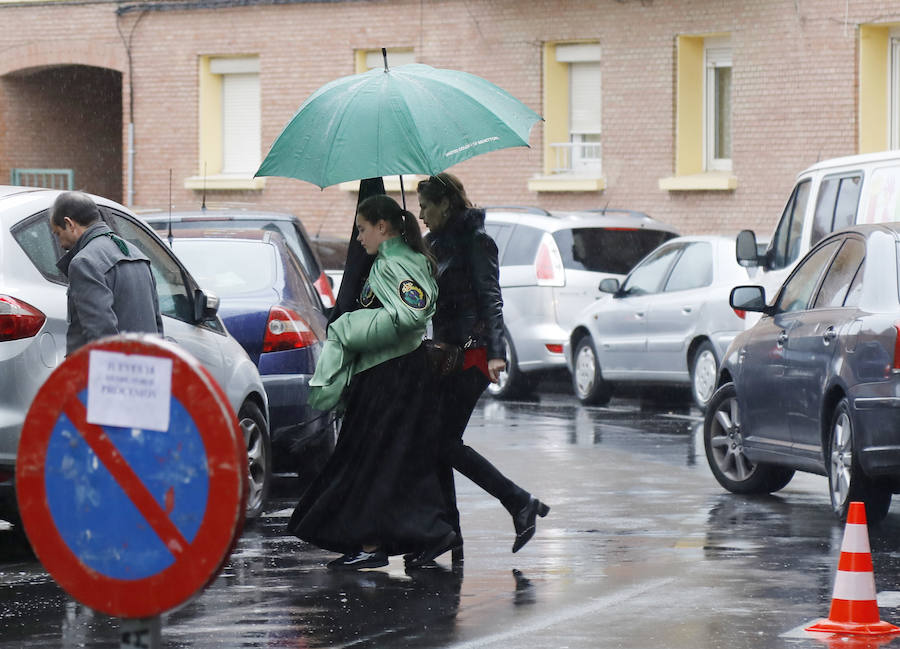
[131, 476]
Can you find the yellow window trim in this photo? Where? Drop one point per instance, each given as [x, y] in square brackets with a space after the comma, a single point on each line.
[708, 181]
[221, 182]
[563, 183]
[689, 106]
[210, 119]
[556, 104]
[874, 88]
[391, 184]
[359, 56]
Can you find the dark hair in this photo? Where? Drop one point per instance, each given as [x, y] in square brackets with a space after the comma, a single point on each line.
[403, 222]
[77, 206]
[444, 185]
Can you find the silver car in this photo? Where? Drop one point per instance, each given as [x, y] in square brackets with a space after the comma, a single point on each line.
[551, 264]
[815, 384]
[669, 323]
[33, 329]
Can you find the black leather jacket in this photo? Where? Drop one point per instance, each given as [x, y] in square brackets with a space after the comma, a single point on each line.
[469, 301]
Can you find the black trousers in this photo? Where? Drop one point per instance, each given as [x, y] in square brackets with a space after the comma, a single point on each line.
[458, 395]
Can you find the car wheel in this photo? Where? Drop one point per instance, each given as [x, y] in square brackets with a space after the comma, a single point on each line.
[259, 457]
[512, 382]
[587, 380]
[846, 480]
[723, 440]
[704, 370]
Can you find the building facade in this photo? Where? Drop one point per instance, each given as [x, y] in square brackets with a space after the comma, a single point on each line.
[698, 112]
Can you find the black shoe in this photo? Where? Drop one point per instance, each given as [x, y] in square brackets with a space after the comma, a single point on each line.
[359, 560]
[524, 521]
[425, 557]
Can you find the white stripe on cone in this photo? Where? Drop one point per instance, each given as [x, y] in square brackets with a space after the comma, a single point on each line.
[854, 586]
[856, 539]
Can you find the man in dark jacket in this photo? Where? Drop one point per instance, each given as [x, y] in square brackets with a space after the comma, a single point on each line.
[111, 287]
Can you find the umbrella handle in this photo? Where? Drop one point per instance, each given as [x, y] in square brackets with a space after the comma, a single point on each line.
[384, 54]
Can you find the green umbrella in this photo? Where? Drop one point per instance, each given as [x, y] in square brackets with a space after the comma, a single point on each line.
[412, 119]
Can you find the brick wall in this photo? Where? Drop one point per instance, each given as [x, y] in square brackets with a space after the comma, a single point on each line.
[794, 89]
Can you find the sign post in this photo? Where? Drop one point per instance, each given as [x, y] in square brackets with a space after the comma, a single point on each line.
[131, 479]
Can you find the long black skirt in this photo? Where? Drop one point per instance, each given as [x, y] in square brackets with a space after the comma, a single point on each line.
[382, 485]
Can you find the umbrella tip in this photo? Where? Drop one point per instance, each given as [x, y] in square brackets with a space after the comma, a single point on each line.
[384, 54]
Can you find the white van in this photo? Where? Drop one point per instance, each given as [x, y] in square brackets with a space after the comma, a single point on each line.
[828, 196]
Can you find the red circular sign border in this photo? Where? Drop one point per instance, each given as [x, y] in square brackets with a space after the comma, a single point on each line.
[222, 521]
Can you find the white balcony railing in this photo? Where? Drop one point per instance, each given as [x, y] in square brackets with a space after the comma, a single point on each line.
[582, 158]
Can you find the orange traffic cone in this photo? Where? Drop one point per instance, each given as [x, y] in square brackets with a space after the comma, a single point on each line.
[854, 608]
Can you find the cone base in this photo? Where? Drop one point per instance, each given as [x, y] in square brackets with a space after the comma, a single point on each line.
[856, 628]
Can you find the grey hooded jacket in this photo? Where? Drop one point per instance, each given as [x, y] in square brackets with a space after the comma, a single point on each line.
[110, 291]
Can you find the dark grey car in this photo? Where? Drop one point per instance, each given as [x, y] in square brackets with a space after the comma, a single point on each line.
[815, 385]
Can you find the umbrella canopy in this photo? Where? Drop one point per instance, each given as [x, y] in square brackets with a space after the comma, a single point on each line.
[412, 119]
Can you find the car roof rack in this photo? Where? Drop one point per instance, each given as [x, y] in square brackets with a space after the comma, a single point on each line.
[520, 208]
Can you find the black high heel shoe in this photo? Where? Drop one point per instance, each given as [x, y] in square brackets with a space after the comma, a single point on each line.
[524, 521]
[451, 541]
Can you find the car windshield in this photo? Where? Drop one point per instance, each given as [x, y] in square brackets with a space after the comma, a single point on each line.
[607, 250]
[227, 267]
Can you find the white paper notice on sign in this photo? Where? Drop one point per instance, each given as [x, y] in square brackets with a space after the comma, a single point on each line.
[129, 390]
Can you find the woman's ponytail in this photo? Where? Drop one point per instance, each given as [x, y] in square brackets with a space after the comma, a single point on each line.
[403, 222]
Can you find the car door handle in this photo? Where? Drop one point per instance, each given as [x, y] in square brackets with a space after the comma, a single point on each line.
[638, 314]
[687, 309]
[782, 338]
[829, 334]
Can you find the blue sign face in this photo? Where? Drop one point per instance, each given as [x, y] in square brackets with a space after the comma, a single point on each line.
[95, 513]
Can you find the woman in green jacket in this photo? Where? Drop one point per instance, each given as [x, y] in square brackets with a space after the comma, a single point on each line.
[380, 492]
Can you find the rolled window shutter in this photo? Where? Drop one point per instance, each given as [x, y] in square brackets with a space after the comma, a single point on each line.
[586, 97]
[241, 140]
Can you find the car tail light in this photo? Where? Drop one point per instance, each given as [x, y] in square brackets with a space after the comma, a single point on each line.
[323, 286]
[554, 348]
[740, 313]
[18, 319]
[548, 264]
[896, 364]
[287, 330]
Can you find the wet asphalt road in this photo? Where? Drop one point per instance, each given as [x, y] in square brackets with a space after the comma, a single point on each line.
[642, 549]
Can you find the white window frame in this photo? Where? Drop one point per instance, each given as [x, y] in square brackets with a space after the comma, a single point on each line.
[894, 88]
[241, 140]
[716, 54]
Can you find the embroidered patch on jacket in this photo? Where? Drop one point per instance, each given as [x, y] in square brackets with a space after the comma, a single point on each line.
[367, 295]
[413, 295]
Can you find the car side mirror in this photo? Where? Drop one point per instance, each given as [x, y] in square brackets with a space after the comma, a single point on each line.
[745, 249]
[749, 298]
[609, 285]
[206, 305]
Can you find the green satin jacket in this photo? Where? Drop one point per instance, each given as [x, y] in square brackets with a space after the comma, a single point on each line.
[401, 279]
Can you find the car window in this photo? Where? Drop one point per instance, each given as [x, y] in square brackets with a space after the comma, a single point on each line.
[295, 275]
[523, 245]
[41, 247]
[607, 250]
[693, 269]
[855, 293]
[174, 295]
[786, 240]
[650, 274]
[840, 274]
[227, 267]
[500, 233]
[798, 289]
[836, 206]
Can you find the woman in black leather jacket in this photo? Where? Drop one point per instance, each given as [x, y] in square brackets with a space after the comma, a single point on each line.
[469, 314]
